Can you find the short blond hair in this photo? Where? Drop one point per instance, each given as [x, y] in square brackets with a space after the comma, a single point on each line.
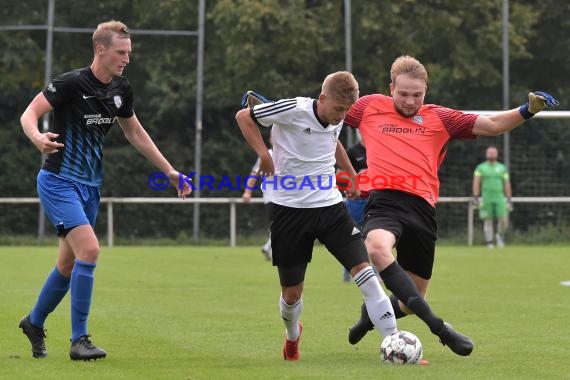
[341, 86]
[410, 66]
[105, 32]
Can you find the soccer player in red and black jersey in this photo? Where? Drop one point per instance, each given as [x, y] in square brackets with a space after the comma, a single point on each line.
[406, 141]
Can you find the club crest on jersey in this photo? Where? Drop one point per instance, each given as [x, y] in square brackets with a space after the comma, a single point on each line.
[418, 119]
[118, 101]
[335, 135]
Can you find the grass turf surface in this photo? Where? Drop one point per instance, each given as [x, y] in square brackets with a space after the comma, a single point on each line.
[212, 313]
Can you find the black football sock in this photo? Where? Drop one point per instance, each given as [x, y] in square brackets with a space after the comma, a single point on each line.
[402, 286]
[398, 313]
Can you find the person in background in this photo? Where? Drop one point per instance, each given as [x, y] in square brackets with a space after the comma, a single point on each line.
[492, 194]
[266, 190]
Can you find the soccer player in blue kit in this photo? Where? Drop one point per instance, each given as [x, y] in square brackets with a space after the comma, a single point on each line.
[85, 102]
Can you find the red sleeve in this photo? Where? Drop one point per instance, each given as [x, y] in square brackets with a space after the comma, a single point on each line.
[354, 114]
[459, 125]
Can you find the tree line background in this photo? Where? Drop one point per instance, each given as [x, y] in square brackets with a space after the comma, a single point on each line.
[284, 48]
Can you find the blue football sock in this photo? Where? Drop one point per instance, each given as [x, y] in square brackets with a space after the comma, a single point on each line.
[54, 289]
[81, 291]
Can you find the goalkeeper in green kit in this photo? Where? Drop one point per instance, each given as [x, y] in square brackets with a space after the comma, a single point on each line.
[492, 195]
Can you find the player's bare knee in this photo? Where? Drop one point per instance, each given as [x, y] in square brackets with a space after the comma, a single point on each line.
[380, 254]
[376, 246]
[89, 254]
[291, 295]
[64, 267]
[405, 309]
[357, 268]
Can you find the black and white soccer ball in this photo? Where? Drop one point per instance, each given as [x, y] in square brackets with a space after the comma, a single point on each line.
[402, 347]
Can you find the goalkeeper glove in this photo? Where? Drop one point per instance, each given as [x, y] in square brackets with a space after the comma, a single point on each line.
[475, 201]
[537, 101]
[250, 99]
[510, 207]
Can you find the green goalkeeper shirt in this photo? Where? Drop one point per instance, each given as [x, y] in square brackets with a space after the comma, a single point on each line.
[493, 176]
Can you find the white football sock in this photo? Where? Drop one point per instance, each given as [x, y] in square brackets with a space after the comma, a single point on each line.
[290, 315]
[378, 304]
[488, 231]
[502, 225]
[267, 245]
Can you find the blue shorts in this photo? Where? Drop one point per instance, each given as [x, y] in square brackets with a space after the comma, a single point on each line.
[356, 209]
[67, 203]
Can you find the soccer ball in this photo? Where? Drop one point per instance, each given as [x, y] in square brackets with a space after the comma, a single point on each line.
[402, 347]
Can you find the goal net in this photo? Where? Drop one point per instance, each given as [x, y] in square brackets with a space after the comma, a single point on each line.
[539, 166]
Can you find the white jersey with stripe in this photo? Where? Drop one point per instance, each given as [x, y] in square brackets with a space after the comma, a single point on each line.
[304, 148]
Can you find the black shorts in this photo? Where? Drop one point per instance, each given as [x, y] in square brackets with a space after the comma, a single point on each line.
[293, 233]
[412, 220]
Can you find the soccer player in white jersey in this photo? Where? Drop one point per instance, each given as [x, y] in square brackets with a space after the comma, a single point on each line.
[307, 204]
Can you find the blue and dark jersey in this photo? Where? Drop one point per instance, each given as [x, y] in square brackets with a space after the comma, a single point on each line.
[84, 110]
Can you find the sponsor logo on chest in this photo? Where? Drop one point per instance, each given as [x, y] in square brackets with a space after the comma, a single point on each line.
[397, 129]
[97, 119]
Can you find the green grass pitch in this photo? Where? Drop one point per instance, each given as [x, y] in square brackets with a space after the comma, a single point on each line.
[212, 313]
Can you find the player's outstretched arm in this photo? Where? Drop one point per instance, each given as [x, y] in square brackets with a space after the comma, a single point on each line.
[140, 139]
[505, 121]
